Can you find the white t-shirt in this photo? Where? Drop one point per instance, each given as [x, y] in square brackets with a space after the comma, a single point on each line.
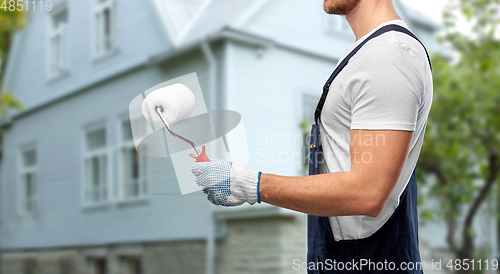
[387, 85]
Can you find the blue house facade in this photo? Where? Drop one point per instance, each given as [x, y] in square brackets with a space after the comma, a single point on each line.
[77, 198]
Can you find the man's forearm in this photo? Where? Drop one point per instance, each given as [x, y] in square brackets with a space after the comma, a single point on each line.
[333, 194]
[364, 190]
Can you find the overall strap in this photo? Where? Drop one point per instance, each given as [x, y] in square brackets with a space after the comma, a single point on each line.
[345, 61]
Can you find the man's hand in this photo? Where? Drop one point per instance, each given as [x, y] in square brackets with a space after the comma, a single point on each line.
[227, 184]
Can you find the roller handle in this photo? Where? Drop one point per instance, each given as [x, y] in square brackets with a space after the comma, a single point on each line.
[202, 157]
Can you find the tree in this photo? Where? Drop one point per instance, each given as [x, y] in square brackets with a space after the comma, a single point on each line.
[462, 144]
[10, 23]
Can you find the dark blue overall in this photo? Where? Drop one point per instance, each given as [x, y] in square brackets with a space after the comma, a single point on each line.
[395, 244]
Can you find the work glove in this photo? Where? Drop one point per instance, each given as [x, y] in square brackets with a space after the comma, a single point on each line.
[227, 184]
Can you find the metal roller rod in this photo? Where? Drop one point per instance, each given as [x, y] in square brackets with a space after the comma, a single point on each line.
[159, 110]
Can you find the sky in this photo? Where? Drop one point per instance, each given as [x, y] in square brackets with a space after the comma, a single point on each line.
[433, 8]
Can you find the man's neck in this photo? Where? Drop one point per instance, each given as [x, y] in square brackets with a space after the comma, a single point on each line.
[370, 14]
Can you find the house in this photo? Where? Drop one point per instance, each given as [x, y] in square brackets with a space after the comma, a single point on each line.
[76, 198]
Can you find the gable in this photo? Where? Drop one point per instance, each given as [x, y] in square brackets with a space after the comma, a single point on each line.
[178, 15]
[188, 21]
[216, 15]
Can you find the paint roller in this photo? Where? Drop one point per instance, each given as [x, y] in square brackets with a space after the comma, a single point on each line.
[168, 105]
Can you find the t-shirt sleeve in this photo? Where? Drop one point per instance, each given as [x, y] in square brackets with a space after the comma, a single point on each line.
[386, 90]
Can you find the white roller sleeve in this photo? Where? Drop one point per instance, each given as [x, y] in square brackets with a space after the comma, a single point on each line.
[176, 100]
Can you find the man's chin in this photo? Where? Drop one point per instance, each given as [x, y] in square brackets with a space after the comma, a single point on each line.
[340, 7]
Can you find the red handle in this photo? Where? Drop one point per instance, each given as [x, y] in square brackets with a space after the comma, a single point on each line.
[202, 157]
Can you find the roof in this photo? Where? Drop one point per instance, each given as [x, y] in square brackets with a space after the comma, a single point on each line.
[217, 15]
[187, 21]
[177, 15]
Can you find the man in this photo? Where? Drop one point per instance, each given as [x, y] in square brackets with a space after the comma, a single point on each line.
[362, 208]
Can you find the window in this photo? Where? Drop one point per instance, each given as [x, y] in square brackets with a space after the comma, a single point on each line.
[30, 267]
[132, 179]
[309, 104]
[28, 181]
[57, 43]
[96, 166]
[104, 27]
[65, 266]
[98, 266]
[337, 23]
[131, 265]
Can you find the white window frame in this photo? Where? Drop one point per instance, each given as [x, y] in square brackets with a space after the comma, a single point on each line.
[88, 155]
[126, 264]
[98, 40]
[306, 98]
[309, 98]
[92, 264]
[23, 171]
[61, 33]
[123, 147]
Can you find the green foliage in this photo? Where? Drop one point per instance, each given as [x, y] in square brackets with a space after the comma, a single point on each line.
[464, 124]
[462, 142]
[8, 100]
[305, 127]
[10, 22]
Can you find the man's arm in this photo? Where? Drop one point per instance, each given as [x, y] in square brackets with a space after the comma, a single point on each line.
[377, 160]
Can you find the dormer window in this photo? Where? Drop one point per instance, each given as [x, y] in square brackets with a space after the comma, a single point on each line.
[104, 27]
[58, 54]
